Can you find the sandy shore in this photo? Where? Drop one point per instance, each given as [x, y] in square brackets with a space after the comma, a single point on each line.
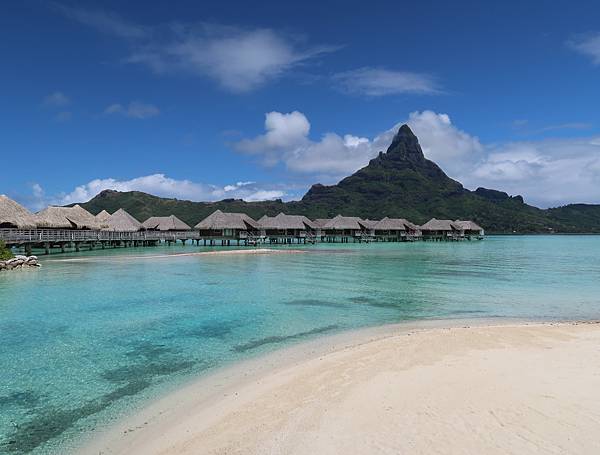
[493, 389]
[175, 255]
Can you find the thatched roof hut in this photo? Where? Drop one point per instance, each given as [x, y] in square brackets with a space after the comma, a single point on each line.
[103, 218]
[165, 223]
[321, 222]
[441, 226]
[283, 221]
[340, 223]
[219, 220]
[469, 225]
[14, 215]
[75, 217]
[391, 224]
[121, 221]
[368, 224]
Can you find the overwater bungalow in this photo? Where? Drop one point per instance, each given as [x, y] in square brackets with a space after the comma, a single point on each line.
[288, 229]
[343, 228]
[122, 221]
[75, 217]
[165, 223]
[228, 226]
[369, 226]
[14, 216]
[436, 229]
[102, 219]
[321, 222]
[470, 229]
[396, 230]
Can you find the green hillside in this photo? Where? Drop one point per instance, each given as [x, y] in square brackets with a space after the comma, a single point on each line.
[398, 183]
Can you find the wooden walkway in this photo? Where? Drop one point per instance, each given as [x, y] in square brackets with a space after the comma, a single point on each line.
[22, 236]
[48, 239]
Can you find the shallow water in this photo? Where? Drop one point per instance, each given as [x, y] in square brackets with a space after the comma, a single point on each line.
[83, 342]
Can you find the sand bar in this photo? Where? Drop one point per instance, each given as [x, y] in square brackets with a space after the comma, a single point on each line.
[176, 255]
[493, 389]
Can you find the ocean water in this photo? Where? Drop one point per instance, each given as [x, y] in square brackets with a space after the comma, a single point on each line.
[84, 342]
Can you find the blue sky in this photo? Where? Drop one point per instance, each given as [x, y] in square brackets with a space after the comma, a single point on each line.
[210, 100]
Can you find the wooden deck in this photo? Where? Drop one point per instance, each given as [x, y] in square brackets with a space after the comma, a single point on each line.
[48, 239]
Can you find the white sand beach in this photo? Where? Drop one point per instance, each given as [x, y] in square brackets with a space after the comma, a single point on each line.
[485, 389]
[176, 255]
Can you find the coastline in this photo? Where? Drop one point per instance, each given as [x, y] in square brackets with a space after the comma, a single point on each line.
[207, 415]
[175, 255]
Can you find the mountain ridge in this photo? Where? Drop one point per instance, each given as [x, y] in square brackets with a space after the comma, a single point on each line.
[400, 182]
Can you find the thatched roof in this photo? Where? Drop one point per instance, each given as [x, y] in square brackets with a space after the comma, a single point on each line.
[222, 220]
[165, 223]
[344, 222]
[468, 225]
[441, 225]
[75, 217]
[121, 221]
[368, 224]
[14, 215]
[391, 224]
[283, 221]
[320, 222]
[102, 219]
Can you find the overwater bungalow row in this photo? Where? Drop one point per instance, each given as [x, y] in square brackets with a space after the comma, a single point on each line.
[74, 226]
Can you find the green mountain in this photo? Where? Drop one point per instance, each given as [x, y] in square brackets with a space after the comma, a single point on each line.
[398, 183]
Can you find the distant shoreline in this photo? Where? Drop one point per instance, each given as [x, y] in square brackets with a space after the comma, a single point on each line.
[325, 395]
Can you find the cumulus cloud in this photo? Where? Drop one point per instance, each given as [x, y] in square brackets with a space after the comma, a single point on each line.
[239, 59]
[135, 109]
[380, 82]
[287, 141]
[444, 143]
[588, 45]
[160, 185]
[546, 172]
[56, 99]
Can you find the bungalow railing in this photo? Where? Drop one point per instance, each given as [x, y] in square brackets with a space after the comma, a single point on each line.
[67, 235]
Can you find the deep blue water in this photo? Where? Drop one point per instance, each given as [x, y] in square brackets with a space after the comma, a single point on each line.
[82, 343]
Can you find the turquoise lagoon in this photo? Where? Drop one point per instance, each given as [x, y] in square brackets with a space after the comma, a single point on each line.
[83, 343]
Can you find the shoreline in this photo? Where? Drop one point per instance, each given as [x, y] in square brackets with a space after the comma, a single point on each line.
[168, 423]
[173, 255]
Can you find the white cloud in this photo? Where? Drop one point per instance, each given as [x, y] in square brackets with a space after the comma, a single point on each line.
[380, 82]
[135, 109]
[103, 21]
[239, 59]
[163, 186]
[287, 141]
[588, 45]
[56, 99]
[546, 172]
[443, 143]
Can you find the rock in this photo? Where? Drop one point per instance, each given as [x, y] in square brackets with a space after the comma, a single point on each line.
[19, 262]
